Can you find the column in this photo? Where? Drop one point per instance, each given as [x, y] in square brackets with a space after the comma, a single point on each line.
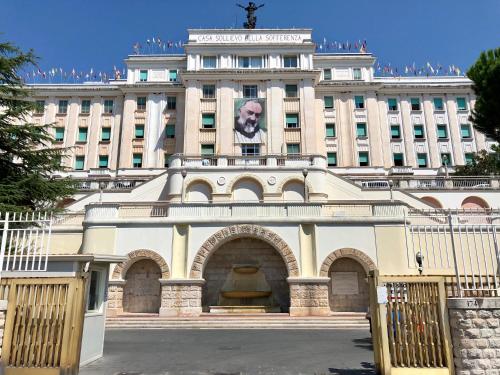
[375, 137]
[407, 128]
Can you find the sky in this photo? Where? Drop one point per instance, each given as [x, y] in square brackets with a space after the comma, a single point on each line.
[99, 34]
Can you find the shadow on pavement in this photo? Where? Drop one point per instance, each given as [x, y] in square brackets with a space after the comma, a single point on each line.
[368, 369]
[365, 343]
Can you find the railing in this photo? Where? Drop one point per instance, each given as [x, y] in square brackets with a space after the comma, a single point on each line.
[294, 161]
[69, 219]
[106, 184]
[427, 183]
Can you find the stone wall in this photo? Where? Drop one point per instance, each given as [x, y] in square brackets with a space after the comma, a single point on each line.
[475, 331]
[358, 301]
[309, 296]
[115, 297]
[181, 297]
[141, 293]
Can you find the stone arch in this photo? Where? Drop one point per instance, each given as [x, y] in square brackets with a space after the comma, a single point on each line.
[432, 201]
[293, 179]
[246, 176]
[200, 182]
[474, 203]
[121, 268]
[199, 179]
[243, 231]
[357, 255]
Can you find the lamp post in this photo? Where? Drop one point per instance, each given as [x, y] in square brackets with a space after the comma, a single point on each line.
[102, 186]
[183, 174]
[391, 184]
[305, 172]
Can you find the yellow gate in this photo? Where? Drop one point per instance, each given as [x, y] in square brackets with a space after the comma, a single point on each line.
[43, 326]
[410, 325]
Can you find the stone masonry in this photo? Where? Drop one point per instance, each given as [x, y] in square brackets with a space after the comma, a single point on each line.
[181, 297]
[115, 297]
[309, 296]
[475, 331]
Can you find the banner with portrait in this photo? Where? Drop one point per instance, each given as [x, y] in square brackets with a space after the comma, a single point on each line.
[250, 120]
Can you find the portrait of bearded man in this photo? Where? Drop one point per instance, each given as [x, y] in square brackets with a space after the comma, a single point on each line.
[249, 120]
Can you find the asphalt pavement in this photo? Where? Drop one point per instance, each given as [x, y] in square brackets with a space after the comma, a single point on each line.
[235, 352]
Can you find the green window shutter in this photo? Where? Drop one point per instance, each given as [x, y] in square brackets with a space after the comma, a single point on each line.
[465, 131]
[327, 74]
[292, 120]
[328, 101]
[143, 75]
[39, 107]
[208, 120]
[293, 148]
[332, 159]
[105, 134]
[141, 103]
[469, 158]
[361, 129]
[363, 159]
[79, 163]
[166, 160]
[137, 160]
[393, 104]
[442, 132]
[208, 149]
[171, 102]
[422, 160]
[395, 132]
[82, 134]
[359, 102]
[170, 131]
[172, 75]
[139, 131]
[356, 73]
[291, 91]
[418, 131]
[438, 104]
[103, 161]
[415, 104]
[398, 159]
[330, 130]
[63, 107]
[108, 106]
[59, 134]
[85, 106]
[461, 104]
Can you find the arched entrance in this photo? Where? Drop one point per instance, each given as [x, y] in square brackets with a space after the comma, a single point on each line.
[142, 290]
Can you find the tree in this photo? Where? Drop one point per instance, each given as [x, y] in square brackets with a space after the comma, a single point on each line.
[485, 73]
[28, 157]
[483, 164]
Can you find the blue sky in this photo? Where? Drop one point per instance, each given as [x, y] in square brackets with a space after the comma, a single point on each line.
[99, 33]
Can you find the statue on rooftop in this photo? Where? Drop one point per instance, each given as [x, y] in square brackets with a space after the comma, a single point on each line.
[251, 19]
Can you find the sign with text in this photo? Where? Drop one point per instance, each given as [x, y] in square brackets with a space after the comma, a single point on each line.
[266, 38]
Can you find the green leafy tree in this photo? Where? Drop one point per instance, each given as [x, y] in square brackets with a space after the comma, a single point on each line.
[28, 157]
[483, 164]
[485, 73]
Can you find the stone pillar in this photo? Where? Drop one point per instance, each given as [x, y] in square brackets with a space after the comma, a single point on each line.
[309, 296]
[3, 315]
[181, 297]
[115, 297]
[475, 331]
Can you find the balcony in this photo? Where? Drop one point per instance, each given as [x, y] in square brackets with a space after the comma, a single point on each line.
[292, 161]
[108, 184]
[428, 183]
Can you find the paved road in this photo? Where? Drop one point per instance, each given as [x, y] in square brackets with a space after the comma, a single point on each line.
[234, 352]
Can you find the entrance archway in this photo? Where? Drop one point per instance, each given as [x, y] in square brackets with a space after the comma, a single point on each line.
[142, 290]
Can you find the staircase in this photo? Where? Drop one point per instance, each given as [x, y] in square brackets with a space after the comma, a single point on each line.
[240, 321]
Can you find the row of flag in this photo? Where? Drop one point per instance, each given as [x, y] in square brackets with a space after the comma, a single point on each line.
[157, 45]
[428, 69]
[358, 46]
[60, 75]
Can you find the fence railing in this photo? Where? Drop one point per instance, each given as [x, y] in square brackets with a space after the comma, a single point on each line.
[108, 184]
[427, 183]
[290, 160]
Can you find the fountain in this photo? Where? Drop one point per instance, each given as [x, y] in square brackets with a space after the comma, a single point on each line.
[245, 291]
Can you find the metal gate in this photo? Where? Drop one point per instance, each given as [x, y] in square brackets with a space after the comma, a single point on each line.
[43, 326]
[410, 325]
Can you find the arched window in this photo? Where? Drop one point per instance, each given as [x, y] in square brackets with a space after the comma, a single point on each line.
[293, 191]
[247, 190]
[199, 191]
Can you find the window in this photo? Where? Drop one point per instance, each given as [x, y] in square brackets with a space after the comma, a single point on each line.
[209, 91]
[292, 120]
[85, 107]
[143, 75]
[208, 149]
[208, 120]
[79, 163]
[172, 75]
[171, 103]
[398, 159]
[469, 158]
[166, 160]
[96, 291]
[250, 91]
[139, 131]
[445, 158]
[82, 134]
[252, 62]
[209, 62]
[465, 131]
[63, 107]
[290, 61]
[422, 160]
[415, 104]
[103, 161]
[105, 133]
[438, 104]
[291, 91]
[141, 103]
[250, 149]
[108, 106]
[170, 131]
[363, 159]
[331, 159]
[330, 130]
[395, 132]
[461, 104]
[359, 102]
[39, 107]
[137, 160]
[59, 134]
[393, 104]
[418, 131]
[327, 74]
[356, 72]
[361, 130]
[328, 102]
[293, 148]
[442, 131]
